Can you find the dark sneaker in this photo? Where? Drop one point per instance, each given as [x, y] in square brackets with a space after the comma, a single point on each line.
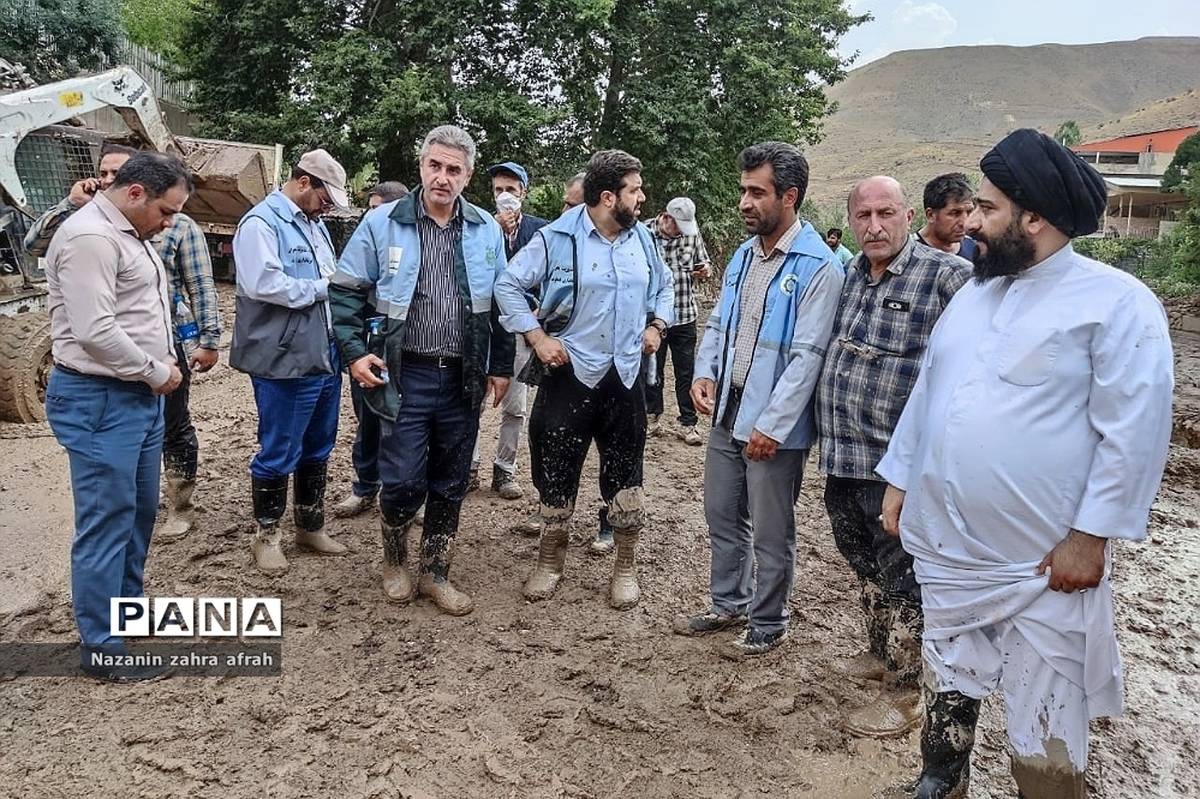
[504, 484]
[753, 643]
[710, 621]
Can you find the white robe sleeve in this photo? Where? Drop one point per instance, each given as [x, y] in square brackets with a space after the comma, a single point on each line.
[1130, 408]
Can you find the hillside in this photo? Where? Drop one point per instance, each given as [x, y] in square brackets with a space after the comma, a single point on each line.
[916, 113]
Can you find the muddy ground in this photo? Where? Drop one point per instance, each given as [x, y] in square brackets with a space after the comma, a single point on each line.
[564, 698]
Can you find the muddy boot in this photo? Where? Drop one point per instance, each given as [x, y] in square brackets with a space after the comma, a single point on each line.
[602, 544]
[530, 526]
[181, 513]
[308, 510]
[437, 538]
[1048, 776]
[398, 584]
[946, 741]
[504, 484]
[893, 713]
[269, 497]
[552, 553]
[628, 517]
[353, 505]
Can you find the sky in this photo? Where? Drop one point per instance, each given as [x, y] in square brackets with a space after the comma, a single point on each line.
[918, 24]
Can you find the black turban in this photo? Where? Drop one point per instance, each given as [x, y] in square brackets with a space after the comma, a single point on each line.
[1038, 173]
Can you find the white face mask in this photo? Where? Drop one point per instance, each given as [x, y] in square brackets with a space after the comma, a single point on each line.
[506, 201]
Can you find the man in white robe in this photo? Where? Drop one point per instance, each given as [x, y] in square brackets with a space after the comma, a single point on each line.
[1038, 430]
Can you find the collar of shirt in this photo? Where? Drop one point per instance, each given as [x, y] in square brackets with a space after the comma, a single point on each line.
[1049, 267]
[783, 245]
[113, 214]
[896, 267]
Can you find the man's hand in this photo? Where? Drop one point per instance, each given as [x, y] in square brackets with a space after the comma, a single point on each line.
[360, 371]
[704, 395]
[497, 387]
[1076, 563]
[652, 339]
[508, 221]
[203, 359]
[761, 447]
[548, 349]
[173, 381]
[700, 272]
[893, 503]
[83, 191]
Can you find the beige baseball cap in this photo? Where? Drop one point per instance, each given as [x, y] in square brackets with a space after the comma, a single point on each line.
[683, 211]
[320, 164]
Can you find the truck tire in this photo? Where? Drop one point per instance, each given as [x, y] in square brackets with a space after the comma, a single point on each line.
[25, 364]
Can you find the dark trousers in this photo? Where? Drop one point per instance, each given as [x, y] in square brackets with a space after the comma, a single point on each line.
[365, 453]
[891, 596]
[426, 452]
[567, 416]
[181, 449]
[681, 341]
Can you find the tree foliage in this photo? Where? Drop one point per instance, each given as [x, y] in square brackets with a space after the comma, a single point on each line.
[1185, 163]
[157, 25]
[1068, 134]
[57, 39]
[682, 84]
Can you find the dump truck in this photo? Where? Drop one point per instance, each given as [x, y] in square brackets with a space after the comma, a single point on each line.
[42, 155]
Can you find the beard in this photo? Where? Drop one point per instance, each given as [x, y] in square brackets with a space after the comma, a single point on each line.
[762, 225]
[625, 217]
[1004, 255]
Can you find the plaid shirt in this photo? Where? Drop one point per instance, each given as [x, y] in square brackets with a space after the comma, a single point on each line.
[37, 238]
[184, 253]
[879, 339]
[762, 270]
[681, 254]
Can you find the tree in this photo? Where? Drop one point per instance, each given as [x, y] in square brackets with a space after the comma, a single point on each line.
[682, 84]
[157, 25]
[1185, 164]
[57, 39]
[1068, 134]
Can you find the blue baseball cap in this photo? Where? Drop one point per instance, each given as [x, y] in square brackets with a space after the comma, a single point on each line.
[513, 167]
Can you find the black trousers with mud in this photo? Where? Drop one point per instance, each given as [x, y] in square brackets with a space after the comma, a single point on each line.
[891, 597]
[567, 417]
[181, 448]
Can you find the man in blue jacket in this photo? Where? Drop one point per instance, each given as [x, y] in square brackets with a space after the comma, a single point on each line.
[606, 298]
[427, 262]
[756, 373]
[282, 338]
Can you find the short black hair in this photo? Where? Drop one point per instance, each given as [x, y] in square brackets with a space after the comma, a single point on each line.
[157, 173]
[112, 148]
[606, 171]
[834, 231]
[788, 165]
[948, 188]
[389, 190]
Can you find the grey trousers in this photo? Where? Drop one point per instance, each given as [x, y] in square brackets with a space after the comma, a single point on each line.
[751, 528]
[512, 415]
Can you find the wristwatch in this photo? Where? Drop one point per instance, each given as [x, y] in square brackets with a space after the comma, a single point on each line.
[658, 325]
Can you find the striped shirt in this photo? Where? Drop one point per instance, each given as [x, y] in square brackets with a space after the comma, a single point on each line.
[435, 316]
[184, 253]
[762, 270]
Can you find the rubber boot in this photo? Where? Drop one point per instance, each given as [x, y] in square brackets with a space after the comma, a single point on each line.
[552, 553]
[269, 498]
[308, 510]
[946, 742]
[602, 544]
[398, 583]
[437, 539]
[628, 517]
[181, 513]
[1048, 776]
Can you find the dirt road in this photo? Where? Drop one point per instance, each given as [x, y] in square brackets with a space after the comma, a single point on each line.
[561, 699]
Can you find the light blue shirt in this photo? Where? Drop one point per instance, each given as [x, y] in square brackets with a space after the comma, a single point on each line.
[610, 309]
[260, 274]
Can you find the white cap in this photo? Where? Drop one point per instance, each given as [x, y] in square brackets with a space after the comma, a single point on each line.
[320, 164]
[683, 211]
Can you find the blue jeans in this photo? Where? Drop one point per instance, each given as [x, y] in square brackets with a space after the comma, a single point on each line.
[365, 453]
[297, 422]
[428, 449]
[113, 433]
